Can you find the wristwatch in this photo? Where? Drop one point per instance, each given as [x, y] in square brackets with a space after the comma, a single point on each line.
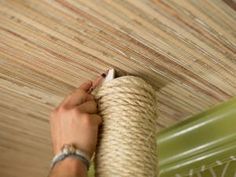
[70, 150]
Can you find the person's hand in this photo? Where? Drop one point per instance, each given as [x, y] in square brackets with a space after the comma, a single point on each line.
[75, 120]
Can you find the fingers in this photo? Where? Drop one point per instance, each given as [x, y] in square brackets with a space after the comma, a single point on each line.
[88, 107]
[86, 86]
[87, 119]
[96, 119]
[99, 79]
[79, 96]
[82, 94]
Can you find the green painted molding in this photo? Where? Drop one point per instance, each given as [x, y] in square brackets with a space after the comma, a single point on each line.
[201, 142]
[205, 140]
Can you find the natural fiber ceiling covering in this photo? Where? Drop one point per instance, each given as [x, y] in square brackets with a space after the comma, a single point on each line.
[186, 49]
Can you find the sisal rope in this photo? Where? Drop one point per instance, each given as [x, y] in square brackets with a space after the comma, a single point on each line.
[127, 141]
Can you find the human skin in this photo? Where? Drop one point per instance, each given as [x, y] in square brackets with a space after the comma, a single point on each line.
[75, 121]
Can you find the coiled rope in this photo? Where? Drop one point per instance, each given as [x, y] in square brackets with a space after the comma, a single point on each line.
[127, 142]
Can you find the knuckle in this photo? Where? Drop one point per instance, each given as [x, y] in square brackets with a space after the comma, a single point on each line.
[86, 119]
[99, 120]
[91, 97]
[94, 104]
[82, 92]
[58, 110]
[61, 109]
[77, 112]
[85, 116]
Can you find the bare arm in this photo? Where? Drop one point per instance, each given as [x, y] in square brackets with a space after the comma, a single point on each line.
[75, 121]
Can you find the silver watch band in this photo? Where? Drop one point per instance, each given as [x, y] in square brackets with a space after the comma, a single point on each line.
[71, 151]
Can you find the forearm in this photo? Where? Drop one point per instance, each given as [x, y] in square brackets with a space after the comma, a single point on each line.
[69, 167]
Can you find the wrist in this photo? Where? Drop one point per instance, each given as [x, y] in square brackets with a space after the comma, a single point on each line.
[69, 167]
[69, 150]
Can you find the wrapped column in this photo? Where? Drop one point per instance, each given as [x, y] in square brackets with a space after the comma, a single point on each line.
[127, 138]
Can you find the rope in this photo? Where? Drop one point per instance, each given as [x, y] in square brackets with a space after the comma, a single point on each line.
[127, 141]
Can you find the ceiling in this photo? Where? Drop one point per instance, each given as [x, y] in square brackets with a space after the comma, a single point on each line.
[185, 49]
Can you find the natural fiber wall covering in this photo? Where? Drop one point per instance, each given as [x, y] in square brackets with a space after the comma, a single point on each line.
[186, 49]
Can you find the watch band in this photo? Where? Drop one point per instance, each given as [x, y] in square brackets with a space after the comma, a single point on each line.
[69, 150]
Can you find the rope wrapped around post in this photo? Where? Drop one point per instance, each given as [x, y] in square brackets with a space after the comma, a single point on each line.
[127, 141]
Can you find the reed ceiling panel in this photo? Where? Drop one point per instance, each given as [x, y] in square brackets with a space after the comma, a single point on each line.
[185, 48]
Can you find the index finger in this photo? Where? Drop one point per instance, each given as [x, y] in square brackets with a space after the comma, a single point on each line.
[86, 86]
[79, 96]
[98, 81]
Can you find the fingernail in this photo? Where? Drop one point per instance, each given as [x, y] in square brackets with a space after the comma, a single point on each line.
[103, 75]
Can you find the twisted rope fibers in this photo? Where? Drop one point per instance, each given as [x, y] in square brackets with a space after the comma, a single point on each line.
[127, 142]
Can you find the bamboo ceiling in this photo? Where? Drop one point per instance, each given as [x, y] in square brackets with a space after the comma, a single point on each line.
[186, 49]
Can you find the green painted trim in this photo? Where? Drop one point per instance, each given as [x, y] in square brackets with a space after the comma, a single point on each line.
[199, 141]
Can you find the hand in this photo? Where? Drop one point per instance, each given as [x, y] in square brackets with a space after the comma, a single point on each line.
[75, 121]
